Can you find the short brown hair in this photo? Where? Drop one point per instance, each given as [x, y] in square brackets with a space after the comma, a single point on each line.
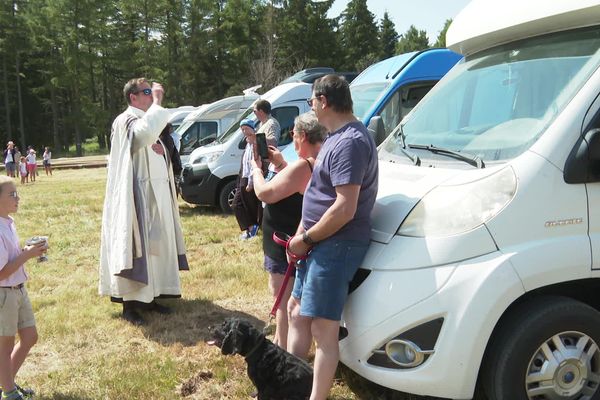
[336, 90]
[263, 105]
[132, 87]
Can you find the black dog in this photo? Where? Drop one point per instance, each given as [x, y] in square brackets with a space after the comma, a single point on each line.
[277, 374]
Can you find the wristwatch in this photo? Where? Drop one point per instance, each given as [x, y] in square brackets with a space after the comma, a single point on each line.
[307, 239]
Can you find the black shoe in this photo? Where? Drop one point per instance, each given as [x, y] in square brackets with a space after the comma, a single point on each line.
[133, 317]
[160, 309]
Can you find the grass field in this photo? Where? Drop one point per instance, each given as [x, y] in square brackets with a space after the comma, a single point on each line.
[86, 351]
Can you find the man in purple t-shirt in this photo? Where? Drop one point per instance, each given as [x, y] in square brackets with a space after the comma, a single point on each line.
[336, 225]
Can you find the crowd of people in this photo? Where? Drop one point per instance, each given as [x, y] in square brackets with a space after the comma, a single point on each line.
[322, 201]
[24, 165]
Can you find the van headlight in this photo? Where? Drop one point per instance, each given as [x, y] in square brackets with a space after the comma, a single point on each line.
[453, 209]
[207, 157]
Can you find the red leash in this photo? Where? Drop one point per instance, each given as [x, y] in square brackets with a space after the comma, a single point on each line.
[284, 239]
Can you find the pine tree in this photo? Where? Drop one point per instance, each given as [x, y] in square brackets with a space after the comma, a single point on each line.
[388, 37]
[359, 35]
[441, 39]
[412, 40]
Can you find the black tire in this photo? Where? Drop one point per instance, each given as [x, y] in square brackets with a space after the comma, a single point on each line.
[517, 352]
[226, 197]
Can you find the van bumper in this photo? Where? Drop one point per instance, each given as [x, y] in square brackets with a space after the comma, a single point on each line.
[469, 296]
[199, 186]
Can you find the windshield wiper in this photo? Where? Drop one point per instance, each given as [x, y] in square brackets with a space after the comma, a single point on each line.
[474, 160]
[413, 157]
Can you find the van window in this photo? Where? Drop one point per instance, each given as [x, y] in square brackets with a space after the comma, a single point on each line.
[496, 104]
[285, 116]
[401, 103]
[198, 134]
[234, 127]
[364, 96]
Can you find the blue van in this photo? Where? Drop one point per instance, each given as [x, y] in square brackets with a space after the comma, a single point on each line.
[387, 91]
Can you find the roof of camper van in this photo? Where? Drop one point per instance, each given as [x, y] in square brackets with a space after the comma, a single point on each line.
[226, 104]
[483, 24]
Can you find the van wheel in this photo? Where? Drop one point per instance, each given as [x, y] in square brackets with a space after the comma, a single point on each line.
[547, 349]
[226, 197]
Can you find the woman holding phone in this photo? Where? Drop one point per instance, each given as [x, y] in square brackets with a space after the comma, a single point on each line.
[283, 197]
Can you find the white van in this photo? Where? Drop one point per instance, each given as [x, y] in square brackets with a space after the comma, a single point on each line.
[177, 115]
[209, 176]
[484, 266]
[208, 122]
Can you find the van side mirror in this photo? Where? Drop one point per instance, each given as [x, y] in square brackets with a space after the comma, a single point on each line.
[377, 129]
[583, 164]
[242, 143]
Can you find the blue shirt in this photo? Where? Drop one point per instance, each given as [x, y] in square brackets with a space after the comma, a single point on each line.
[348, 157]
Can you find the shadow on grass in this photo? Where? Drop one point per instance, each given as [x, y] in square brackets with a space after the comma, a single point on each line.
[191, 210]
[190, 322]
[61, 396]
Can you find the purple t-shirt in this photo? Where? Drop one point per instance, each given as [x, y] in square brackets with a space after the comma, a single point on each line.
[348, 156]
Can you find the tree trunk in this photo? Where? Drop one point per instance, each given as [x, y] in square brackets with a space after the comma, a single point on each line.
[20, 101]
[54, 105]
[6, 101]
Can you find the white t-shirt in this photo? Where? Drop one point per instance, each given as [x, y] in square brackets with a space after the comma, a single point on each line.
[47, 155]
[30, 158]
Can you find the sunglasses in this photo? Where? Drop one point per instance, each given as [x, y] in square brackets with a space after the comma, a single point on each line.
[147, 92]
[310, 101]
[14, 195]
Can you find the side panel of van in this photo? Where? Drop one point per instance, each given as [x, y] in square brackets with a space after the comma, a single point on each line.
[215, 186]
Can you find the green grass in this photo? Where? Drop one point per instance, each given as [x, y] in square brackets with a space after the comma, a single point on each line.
[86, 351]
[89, 146]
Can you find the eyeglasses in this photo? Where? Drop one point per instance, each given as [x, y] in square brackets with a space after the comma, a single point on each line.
[147, 92]
[310, 101]
[14, 194]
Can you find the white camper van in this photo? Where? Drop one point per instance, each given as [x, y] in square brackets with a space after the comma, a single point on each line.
[209, 176]
[484, 266]
[208, 122]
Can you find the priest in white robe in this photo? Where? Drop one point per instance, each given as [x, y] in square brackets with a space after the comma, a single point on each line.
[142, 248]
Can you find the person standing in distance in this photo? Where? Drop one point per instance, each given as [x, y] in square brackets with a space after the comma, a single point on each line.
[142, 245]
[335, 224]
[268, 124]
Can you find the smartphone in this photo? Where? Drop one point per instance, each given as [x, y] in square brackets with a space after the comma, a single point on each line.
[261, 146]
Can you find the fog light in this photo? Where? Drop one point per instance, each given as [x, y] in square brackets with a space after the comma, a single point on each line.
[405, 353]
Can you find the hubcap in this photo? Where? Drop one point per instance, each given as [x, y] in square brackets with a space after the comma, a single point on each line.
[566, 366]
[230, 197]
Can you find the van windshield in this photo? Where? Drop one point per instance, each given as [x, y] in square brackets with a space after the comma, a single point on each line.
[233, 128]
[364, 96]
[495, 104]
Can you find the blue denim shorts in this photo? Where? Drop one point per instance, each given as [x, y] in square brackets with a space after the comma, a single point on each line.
[322, 282]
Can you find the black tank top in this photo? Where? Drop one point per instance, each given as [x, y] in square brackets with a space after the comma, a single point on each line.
[283, 216]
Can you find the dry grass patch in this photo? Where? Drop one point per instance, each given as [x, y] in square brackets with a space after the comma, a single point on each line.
[86, 351]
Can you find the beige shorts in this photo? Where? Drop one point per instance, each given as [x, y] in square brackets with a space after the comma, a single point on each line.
[16, 312]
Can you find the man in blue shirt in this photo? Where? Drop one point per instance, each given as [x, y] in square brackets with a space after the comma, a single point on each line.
[334, 230]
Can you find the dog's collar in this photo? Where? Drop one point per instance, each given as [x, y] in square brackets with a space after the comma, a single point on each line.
[254, 349]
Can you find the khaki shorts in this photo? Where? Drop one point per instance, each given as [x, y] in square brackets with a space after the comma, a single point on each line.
[16, 312]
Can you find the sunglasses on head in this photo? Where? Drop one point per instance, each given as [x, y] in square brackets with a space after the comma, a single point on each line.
[147, 92]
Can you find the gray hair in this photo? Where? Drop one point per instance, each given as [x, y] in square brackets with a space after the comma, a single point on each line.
[309, 124]
[4, 180]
